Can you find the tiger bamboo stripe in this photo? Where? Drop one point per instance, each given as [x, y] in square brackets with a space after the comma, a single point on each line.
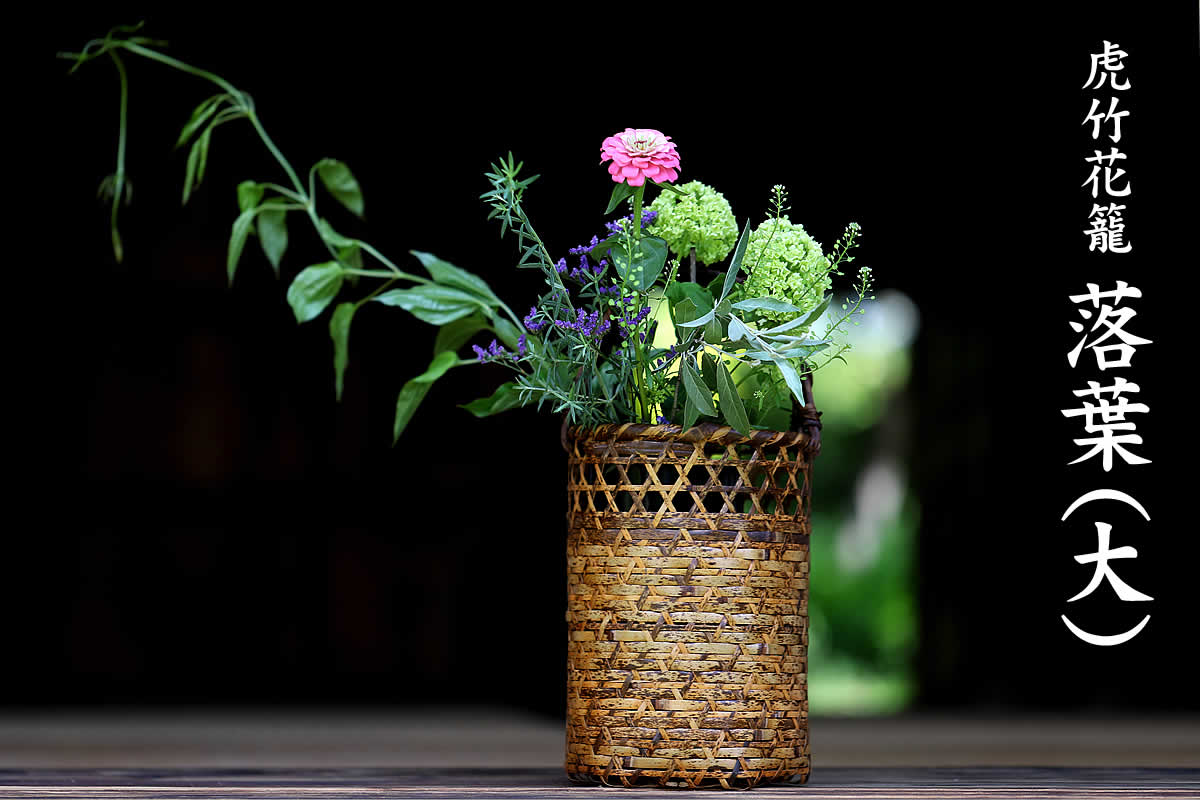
[687, 610]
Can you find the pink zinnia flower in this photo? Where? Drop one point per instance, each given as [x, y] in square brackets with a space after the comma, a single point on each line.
[638, 154]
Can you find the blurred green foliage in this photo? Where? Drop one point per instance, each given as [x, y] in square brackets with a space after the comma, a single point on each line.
[862, 591]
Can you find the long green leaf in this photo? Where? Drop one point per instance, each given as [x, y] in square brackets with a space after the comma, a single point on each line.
[189, 176]
[735, 263]
[332, 237]
[507, 396]
[414, 391]
[679, 291]
[508, 333]
[203, 142]
[339, 331]
[200, 116]
[766, 304]
[803, 321]
[697, 392]
[690, 413]
[272, 234]
[621, 192]
[237, 240]
[313, 289]
[454, 335]
[792, 378]
[432, 303]
[249, 194]
[447, 274]
[703, 319]
[731, 402]
[341, 183]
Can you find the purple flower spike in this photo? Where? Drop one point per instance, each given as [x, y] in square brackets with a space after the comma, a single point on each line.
[480, 353]
[521, 345]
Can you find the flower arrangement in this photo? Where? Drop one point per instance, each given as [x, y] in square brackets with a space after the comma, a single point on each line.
[619, 334]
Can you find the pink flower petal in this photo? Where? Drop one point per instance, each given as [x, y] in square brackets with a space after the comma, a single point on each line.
[638, 181]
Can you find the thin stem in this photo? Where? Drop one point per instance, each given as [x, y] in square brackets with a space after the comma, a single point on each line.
[119, 178]
[637, 211]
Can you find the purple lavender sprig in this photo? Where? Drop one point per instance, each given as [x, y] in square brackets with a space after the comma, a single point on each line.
[494, 352]
[619, 225]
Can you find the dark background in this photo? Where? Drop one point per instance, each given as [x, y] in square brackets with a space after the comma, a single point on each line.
[197, 521]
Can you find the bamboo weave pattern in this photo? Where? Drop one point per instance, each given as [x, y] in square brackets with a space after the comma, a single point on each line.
[687, 616]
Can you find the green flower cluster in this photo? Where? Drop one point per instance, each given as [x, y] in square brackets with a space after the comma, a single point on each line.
[785, 263]
[701, 219]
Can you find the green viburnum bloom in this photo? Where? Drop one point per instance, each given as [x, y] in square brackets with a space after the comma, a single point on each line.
[702, 219]
[782, 261]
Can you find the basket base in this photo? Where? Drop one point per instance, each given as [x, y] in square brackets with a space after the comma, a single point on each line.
[684, 780]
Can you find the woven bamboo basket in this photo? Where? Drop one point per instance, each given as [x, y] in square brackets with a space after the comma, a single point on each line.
[687, 611]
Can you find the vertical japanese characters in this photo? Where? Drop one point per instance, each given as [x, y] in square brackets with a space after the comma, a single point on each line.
[1106, 407]
[1107, 180]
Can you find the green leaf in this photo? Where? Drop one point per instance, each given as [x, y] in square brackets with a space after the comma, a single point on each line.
[738, 332]
[454, 335]
[803, 321]
[447, 274]
[508, 333]
[735, 263]
[697, 392]
[690, 413]
[341, 184]
[621, 192]
[313, 289]
[339, 331]
[432, 303]
[189, 175]
[507, 396]
[708, 371]
[201, 115]
[249, 195]
[237, 240]
[703, 319]
[202, 143]
[679, 291]
[766, 304]
[670, 187]
[731, 402]
[411, 395]
[640, 271]
[438, 367]
[792, 378]
[332, 237]
[413, 392]
[272, 233]
[350, 256]
[714, 331]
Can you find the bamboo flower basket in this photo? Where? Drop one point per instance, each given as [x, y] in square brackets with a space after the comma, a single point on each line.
[687, 610]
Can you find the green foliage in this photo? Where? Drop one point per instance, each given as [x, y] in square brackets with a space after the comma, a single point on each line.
[590, 347]
[339, 332]
[313, 289]
[432, 303]
[337, 178]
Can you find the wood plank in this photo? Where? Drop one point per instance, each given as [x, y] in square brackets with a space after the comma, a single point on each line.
[831, 783]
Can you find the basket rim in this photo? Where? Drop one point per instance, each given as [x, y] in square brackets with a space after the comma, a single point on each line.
[703, 433]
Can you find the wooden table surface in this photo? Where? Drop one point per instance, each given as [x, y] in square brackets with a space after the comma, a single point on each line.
[495, 753]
